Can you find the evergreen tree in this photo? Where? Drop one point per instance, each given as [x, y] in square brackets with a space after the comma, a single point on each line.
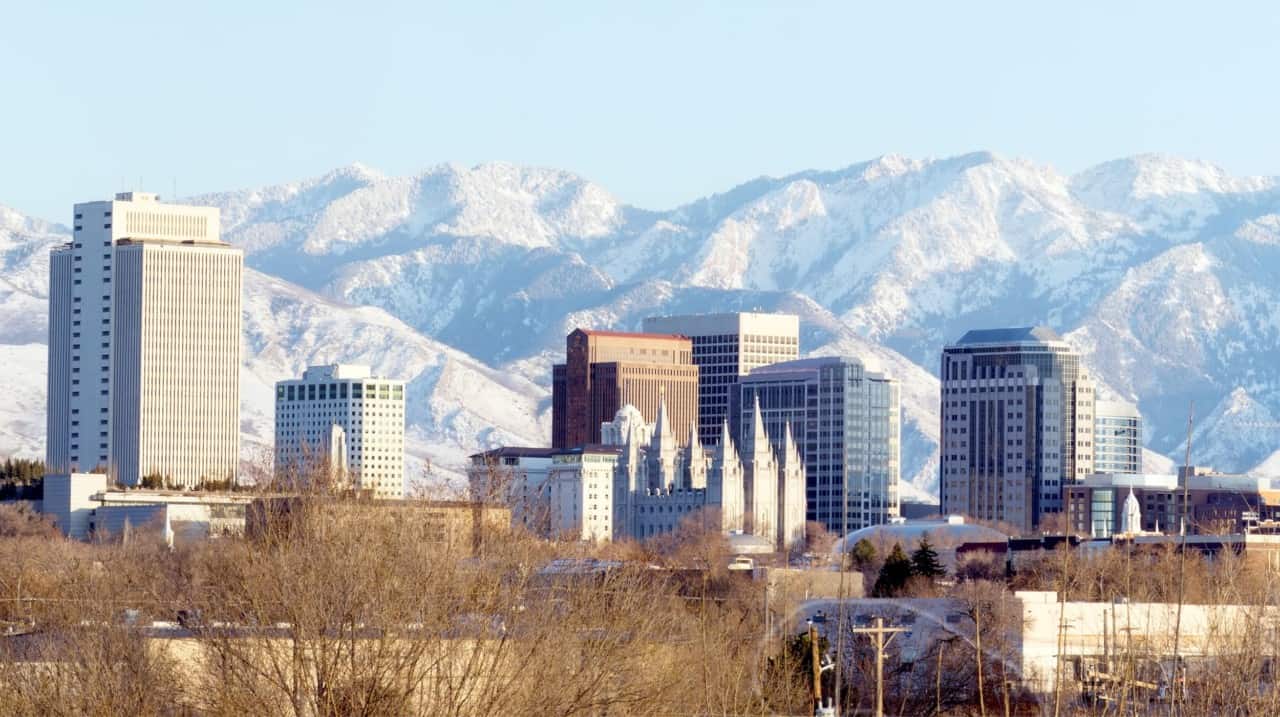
[894, 574]
[924, 561]
[863, 554]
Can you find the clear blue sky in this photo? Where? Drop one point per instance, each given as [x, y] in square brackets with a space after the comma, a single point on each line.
[659, 102]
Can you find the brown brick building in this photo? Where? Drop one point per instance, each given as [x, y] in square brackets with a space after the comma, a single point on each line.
[605, 370]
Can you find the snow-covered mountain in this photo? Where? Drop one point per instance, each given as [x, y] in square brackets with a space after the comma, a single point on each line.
[1162, 271]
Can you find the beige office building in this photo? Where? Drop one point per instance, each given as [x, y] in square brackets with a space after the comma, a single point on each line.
[725, 348]
[144, 344]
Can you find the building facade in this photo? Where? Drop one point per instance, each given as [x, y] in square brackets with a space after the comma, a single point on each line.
[1117, 437]
[644, 483]
[606, 370]
[1218, 503]
[85, 506]
[727, 347]
[1017, 425]
[845, 422]
[342, 421]
[144, 344]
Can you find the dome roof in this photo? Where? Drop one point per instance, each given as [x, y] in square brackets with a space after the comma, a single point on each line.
[948, 532]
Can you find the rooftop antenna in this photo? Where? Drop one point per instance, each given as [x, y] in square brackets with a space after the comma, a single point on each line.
[174, 196]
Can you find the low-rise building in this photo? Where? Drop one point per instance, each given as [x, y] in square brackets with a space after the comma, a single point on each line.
[1219, 503]
[84, 507]
[464, 525]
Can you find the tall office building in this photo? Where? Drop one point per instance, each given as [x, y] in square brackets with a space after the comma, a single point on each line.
[845, 422]
[1117, 438]
[1017, 425]
[342, 419]
[144, 344]
[725, 348]
[606, 370]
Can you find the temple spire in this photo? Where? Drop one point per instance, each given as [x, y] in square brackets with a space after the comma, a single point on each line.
[759, 438]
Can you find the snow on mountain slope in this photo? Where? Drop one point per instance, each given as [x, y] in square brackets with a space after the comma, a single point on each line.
[1162, 270]
[454, 404]
[1170, 196]
[24, 275]
[1238, 434]
[22, 412]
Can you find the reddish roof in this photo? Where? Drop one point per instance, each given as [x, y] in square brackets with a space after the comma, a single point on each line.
[633, 335]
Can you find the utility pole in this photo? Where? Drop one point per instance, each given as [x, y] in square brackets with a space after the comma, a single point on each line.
[881, 636]
[817, 668]
[1182, 562]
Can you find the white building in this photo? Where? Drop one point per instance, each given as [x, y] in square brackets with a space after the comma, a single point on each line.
[644, 483]
[580, 493]
[144, 344]
[1088, 643]
[84, 507]
[342, 419]
[726, 347]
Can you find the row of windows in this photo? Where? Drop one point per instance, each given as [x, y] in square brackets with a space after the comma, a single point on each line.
[324, 392]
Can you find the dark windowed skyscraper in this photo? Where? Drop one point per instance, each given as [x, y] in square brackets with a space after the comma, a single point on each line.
[1017, 425]
[845, 422]
[1117, 438]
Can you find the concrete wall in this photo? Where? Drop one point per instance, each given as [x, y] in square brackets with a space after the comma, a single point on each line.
[67, 497]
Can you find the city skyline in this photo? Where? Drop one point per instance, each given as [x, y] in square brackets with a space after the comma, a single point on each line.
[690, 357]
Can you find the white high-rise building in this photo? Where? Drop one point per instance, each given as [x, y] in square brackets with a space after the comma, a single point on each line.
[343, 419]
[725, 348]
[144, 344]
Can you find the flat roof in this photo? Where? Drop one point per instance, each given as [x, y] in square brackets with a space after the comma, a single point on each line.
[588, 448]
[632, 335]
[1019, 334]
[517, 451]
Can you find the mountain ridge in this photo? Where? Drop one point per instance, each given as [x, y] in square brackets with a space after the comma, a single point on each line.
[1161, 270]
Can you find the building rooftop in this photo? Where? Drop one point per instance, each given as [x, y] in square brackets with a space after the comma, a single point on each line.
[724, 323]
[633, 335]
[588, 448]
[804, 364]
[812, 364]
[944, 532]
[1024, 334]
[516, 452]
